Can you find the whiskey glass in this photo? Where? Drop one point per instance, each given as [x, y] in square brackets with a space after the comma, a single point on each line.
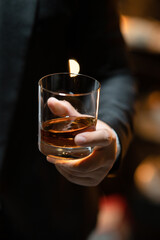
[56, 133]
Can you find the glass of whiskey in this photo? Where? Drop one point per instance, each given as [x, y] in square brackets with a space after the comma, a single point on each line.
[55, 132]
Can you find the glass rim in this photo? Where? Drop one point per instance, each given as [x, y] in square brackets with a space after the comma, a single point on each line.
[68, 94]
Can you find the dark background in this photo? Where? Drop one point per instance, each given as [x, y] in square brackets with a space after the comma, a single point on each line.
[145, 64]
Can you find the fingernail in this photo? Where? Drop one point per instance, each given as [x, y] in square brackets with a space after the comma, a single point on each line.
[49, 159]
[80, 140]
[51, 100]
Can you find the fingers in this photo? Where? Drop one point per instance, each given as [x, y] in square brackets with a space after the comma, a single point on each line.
[61, 108]
[72, 174]
[101, 138]
[85, 172]
[88, 171]
[91, 170]
[79, 180]
[101, 159]
[80, 166]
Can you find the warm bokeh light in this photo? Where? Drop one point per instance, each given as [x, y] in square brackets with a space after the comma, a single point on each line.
[144, 173]
[147, 178]
[113, 217]
[141, 33]
[154, 100]
[147, 117]
[74, 67]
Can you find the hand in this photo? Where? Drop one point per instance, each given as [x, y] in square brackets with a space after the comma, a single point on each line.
[91, 170]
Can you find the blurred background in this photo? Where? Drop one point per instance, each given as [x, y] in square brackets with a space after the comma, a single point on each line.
[130, 208]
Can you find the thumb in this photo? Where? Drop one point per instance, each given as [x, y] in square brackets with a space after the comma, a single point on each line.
[61, 108]
[101, 138]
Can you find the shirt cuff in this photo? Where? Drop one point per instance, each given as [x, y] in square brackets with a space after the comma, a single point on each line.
[117, 144]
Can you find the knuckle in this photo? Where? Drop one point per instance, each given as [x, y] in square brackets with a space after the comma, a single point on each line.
[106, 135]
[82, 168]
[94, 182]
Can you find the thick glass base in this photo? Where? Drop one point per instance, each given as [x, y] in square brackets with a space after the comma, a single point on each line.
[65, 152]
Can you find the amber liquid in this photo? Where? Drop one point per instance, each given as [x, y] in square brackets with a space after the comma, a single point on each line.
[61, 132]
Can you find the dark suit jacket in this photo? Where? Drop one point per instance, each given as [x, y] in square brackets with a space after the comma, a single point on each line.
[37, 38]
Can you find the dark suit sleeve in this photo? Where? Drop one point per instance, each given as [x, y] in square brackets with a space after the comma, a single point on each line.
[117, 106]
[99, 48]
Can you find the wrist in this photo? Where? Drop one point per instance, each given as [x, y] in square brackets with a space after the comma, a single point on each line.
[118, 146]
